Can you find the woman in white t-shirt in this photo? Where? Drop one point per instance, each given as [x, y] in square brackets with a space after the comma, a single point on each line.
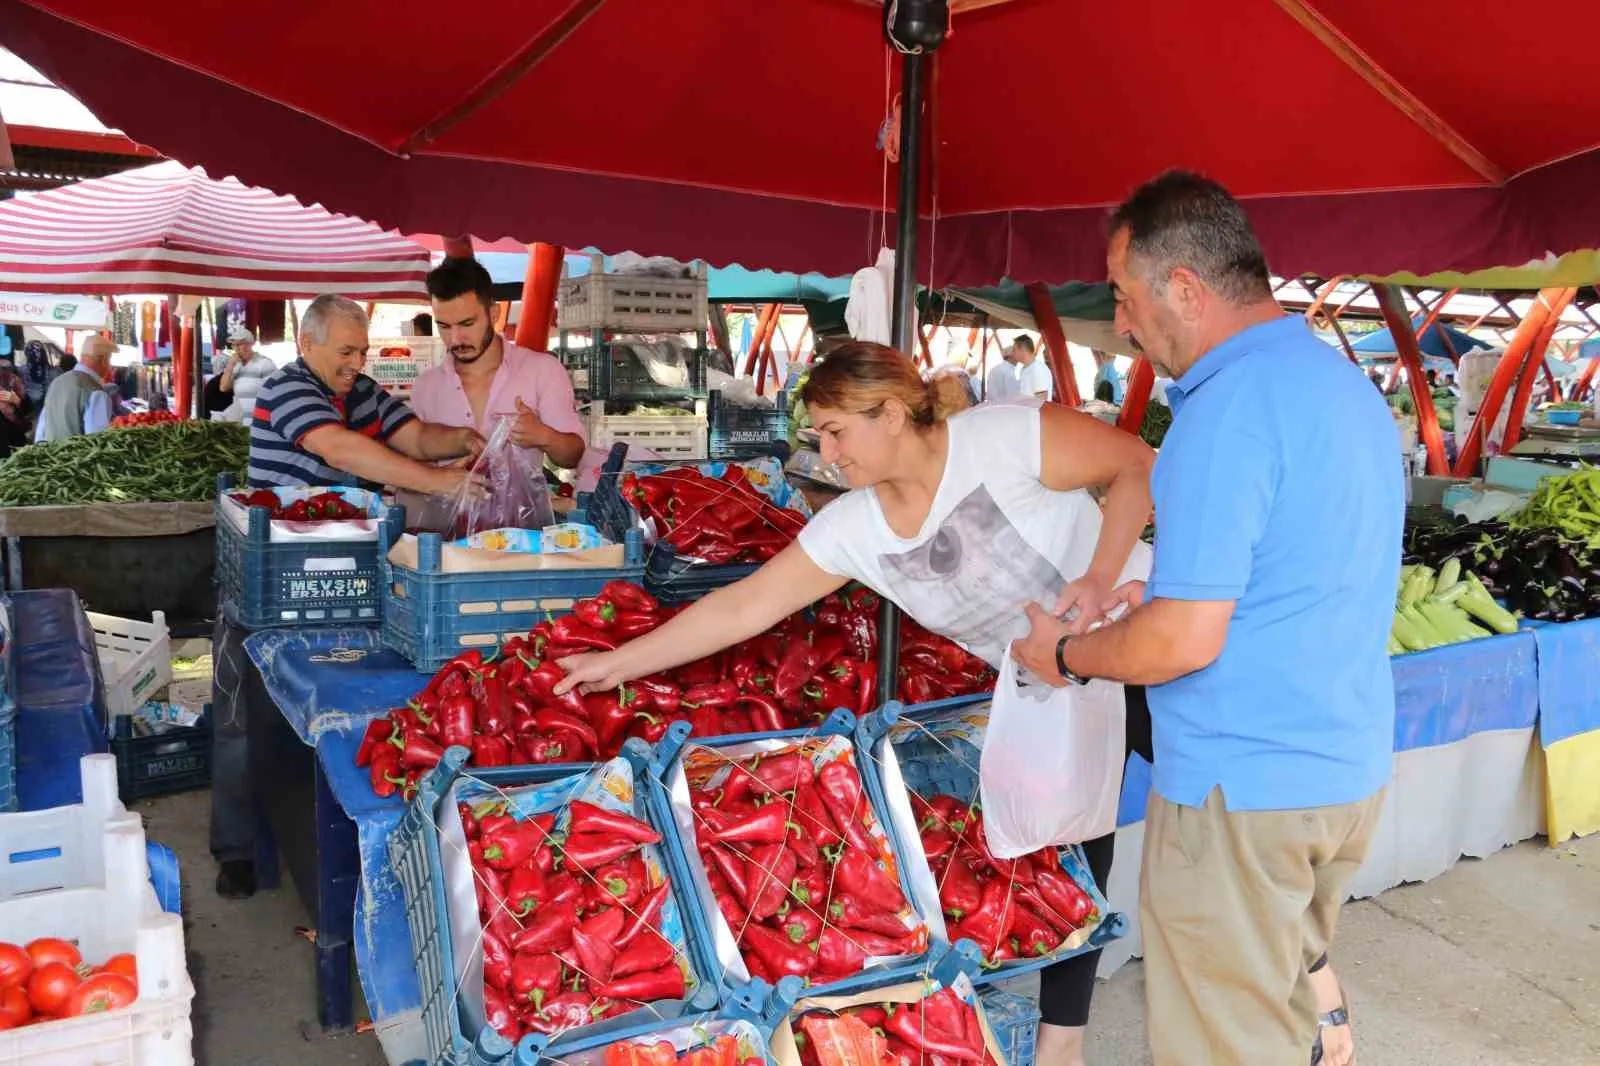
[962, 521]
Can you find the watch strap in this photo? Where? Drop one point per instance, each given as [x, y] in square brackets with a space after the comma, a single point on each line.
[1061, 663]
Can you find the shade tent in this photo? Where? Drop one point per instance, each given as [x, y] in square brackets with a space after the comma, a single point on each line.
[747, 133]
[170, 228]
[1431, 342]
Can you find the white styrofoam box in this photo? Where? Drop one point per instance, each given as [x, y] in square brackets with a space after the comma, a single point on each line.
[123, 916]
[64, 847]
[671, 437]
[632, 303]
[135, 658]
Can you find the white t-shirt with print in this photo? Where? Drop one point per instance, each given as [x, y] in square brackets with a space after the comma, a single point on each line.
[995, 538]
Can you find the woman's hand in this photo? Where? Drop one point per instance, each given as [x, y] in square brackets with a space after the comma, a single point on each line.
[1083, 603]
[599, 671]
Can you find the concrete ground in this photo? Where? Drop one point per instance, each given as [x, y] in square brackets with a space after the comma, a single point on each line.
[1496, 963]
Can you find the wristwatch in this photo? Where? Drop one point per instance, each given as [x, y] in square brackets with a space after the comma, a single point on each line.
[1061, 663]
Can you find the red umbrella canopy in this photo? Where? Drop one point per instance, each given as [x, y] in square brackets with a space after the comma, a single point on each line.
[1368, 135]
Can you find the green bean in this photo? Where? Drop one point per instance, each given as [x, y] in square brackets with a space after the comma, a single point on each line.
[158, 464]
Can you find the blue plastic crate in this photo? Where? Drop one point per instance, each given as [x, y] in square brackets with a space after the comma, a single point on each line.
[840, 723]
[751, 1013]
[8, 708]
[430, 617]
[414, 851]
[263, 585]
[669, 578]
[745, 432]
[943, 764]
[1014, 1020]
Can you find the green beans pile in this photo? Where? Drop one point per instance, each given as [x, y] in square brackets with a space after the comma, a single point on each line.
[1569, 503]
[149, 464]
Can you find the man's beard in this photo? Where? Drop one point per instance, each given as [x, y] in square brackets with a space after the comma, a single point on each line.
[468, 354]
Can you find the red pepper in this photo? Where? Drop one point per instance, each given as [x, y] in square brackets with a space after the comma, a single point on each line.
[542, 751]
[842, 795]
[630, 597]
[798, 666]
[541, 682]
[781, 957]
[719, 694]
[535, 978]
[839, 951]
[548, 720]
[497, 962]
[765, 825]
[491, 751]
[706, 721]
[665, 983]
[588, 818]
[802, 926]
[569, 1010]
[850, 913]
[650, 952]
[903, 1023]
[420, 753]
[960, 893]
[664, 696]
[827, 696]
[469, 820]
[811, 813]
[1031, 935]
[988, 924]
[605, 924]
[859, 875]
[630, 624]
[384, 771]
[550, 930]
[1063, 895]
[508, 847]
[609, 715]
[596, 956]
[650, 728]
[810, 890]
[705, 671]
[730, 866]
[646, 914]
[785, 772]
[561, 888]
[378, 731]
[569, 629]
[618, 884]
[866, 689]
[497, 1014]
[591, 852]
[597, 613]
[525, 889]
[771, 869]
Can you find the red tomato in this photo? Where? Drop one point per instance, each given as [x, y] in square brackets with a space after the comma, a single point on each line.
[52, 949]
[100, 993]
[124, 964]
[15, 1009]
[51, 986]
[15, 965]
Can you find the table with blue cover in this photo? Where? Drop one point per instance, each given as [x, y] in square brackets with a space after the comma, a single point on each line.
[326, 684]
[1569, 725]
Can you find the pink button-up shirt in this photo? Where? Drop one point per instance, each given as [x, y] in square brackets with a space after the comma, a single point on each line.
[536, 378]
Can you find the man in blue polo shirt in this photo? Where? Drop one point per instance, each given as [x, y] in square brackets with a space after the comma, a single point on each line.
[1263, 637]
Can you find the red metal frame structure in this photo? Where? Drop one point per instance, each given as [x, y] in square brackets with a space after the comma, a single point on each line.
[1391, 302]
[1136, 398]
[1532, 364]
[1416, 334]
[539, 296]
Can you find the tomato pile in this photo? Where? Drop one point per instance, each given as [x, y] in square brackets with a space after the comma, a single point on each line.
[1011, 908]
[790, 853]
[942, 1028]
[47, 980]
[506, 712]
[144, 418]
[718, 520]
[323, 507]
[571, 920]
[723, 1051]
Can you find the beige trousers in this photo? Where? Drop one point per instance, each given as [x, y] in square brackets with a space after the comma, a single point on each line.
[1235, 907]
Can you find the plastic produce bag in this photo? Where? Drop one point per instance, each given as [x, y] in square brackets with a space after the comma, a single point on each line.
[1051, 769]
[519, 496]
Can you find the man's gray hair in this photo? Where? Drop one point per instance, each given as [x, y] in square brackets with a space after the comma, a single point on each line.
[1182, 219]
[98, 347]
[314, 323]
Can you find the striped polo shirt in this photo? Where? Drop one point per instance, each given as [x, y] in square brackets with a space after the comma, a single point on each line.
[292, 403]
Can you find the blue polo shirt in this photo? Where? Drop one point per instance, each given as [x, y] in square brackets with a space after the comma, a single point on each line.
[1279, 487]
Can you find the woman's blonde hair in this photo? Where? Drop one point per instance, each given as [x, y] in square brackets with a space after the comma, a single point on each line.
[860, 377]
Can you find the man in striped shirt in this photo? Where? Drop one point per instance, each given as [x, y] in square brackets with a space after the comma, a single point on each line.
[316, 421]
[320, 418]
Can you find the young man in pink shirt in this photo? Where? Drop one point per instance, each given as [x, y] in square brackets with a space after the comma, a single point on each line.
[487, 376]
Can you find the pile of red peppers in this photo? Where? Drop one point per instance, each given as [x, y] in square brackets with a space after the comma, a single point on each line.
[790, 854]
[323, 507]
[942, 1029]
[1011, 908]
[931, 667]
[723, 1051]
[571, 919]
[714, 519]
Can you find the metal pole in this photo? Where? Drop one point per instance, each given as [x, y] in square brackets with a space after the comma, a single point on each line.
[912, 86]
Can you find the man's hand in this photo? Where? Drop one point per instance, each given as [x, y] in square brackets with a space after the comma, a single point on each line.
[529, 431]
[468, 443]
[456, 479]
[7, 396]
[1036, 652]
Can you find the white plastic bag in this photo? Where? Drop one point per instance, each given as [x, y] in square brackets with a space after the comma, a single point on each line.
[1051, 770]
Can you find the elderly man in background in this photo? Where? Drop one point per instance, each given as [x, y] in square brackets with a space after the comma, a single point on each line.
[232, 393]
[76, 402]
[318, 421]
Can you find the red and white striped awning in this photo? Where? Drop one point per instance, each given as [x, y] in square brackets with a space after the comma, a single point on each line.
[170, 228]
